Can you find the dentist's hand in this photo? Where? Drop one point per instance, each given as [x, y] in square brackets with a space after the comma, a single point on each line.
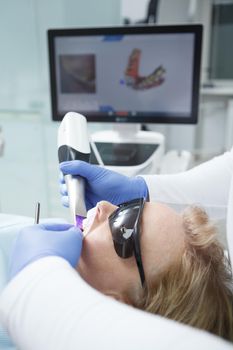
[103, 184]
[51, 239]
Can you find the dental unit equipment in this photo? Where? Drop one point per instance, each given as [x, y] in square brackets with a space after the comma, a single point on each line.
[73, 144]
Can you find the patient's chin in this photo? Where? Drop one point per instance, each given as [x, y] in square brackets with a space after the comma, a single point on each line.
[86, 274]
[84, 265]
[80, 268]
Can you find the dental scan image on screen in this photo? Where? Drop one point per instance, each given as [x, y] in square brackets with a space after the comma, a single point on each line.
[125, 74]
[77, 74]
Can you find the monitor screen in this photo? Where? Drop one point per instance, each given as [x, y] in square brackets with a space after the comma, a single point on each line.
[144, 74]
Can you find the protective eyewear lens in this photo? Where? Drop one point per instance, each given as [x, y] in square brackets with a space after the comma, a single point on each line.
[124, 224]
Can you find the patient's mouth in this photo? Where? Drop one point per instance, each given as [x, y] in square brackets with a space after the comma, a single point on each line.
[87, 223]
[79, 221]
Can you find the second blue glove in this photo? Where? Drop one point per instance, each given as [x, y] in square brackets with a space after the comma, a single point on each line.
[38, 241]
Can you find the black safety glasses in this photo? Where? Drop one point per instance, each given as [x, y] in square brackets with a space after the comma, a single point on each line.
[124, 224]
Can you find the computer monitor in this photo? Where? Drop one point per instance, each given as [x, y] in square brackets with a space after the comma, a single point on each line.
[142, 74]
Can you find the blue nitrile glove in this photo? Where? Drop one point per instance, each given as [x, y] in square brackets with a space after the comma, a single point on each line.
[51, 239]
[103, 184]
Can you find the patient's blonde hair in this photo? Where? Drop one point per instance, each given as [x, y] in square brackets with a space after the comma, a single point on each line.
[197, 289]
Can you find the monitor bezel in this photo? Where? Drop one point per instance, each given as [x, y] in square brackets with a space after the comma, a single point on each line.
[195, 29]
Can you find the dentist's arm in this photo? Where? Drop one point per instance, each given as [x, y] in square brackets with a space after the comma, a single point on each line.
[207, 185]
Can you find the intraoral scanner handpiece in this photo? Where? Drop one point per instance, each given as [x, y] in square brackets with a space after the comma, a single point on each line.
[73, 144]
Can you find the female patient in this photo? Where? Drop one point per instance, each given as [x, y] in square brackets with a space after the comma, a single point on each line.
[146, 255]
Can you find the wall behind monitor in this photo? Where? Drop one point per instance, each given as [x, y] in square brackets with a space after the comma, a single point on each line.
[23, 60]
[175, 12]
[208, 137]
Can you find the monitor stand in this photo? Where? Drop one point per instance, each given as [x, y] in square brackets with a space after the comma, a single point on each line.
[127, 149]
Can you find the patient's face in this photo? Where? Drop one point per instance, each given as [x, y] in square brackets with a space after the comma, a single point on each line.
[161, 240]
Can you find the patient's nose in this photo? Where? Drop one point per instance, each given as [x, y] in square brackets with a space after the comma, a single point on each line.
[105, 209]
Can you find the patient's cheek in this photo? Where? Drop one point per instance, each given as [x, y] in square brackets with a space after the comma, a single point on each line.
[98, 249]
[91, 260]
[94, 246]
[97, 238]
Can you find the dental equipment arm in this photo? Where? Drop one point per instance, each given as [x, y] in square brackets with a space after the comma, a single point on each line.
[48, 306]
